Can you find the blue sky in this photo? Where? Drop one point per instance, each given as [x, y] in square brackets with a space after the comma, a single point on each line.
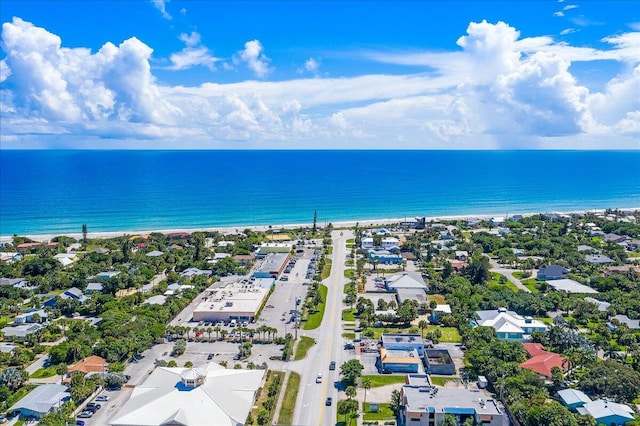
[294, 74]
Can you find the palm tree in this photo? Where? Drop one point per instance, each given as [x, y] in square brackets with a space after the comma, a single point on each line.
[351, 392]
[224, 333]
[196, 331]
[422, 325]
[366, 385]
[217, 330]
[209, 330]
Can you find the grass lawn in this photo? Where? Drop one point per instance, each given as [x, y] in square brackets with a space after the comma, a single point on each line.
[438, 298]
[42, 373]
[314, 319]
[449, 334]
[494, 282]
[531, 284]
[545, 320]
[289, 401]
[264, 394]
[326, 271]
[351, 241]
[384, 412]
[348, 315]
[330, 250]
[349, 336]
[383, 380]
[304, 345]
[349, 273]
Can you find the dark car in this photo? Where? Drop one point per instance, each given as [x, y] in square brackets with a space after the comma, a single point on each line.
[210, 356]
[94, 405]
[386, 371]
[329, 401]
[332, 365]
[349, 346]
[92, 409]
[79, 423]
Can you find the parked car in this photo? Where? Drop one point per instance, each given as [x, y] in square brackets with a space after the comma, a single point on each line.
[349, 346]
[85, 414]
[329, 401]
[386, 371]
[332, 365]
[94, 405]
[319, 378]
[102, 398]
[79, 423]
[210, 356]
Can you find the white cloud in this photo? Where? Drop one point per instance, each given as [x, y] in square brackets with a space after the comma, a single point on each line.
[5, 71]
[496, 90]
[193, 54]
[559, 14]
[312, 65]
[183, 11]
[569, 7]
[635, 26]
[255, 59]
[161, 6]
[567, 31]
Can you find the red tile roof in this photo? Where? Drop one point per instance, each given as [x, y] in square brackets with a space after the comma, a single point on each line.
[541, 361]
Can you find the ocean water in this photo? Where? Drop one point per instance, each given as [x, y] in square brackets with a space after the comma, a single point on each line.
[55, 192]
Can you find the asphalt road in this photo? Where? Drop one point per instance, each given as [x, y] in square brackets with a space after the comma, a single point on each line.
[310, 407]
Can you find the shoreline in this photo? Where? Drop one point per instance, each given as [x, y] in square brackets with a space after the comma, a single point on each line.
[265, 228]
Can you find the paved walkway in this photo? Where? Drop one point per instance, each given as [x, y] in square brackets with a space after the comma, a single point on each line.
[495, 267]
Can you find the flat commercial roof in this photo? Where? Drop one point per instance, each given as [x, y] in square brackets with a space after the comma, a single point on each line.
[237, 298]
[273, 262]
[448, 400]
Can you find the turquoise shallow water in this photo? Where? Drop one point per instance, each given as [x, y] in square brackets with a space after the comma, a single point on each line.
[49, 192]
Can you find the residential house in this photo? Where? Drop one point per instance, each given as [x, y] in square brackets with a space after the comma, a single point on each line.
[192, 272]
[14, 282]
[607, 412]
[90, 365]
[106, 275]
[571, 286]
[551, 272]
[243, 259]
[439, 312]
[100, 250]
[19, 332]
[598, 259]
[74, 294]
[31, 316]
[66, 259]
[462, 255]
[41, 400]
[93, 288]
[542, 361]
[156, 300]
[508, 324]
[8, 348]
[602, 306]
[614, 238]
[623, 319]
[573, 398]
[384, 257]
[10, 257]
[154, 253]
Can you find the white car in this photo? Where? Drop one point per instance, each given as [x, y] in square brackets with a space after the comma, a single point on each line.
[319, 378]
[102, 398]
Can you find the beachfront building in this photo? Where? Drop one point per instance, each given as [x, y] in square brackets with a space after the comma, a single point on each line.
[542, 361]
[40, 401]
[402, 342]
[272, 265]
[205, 395]
[267, 248]
[400, 360]
[239, 301]
[571, 286]
[508, 324]
[385, 243]
[426, 405]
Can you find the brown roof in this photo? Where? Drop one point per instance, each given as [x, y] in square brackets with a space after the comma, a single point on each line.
[90, 364]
